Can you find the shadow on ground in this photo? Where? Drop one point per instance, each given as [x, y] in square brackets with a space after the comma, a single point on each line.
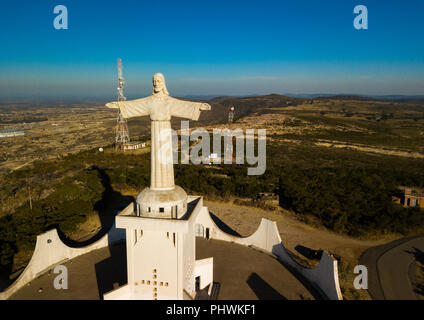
[111, 203]
[107, 207]
[5, 276]
[309, 253]
[111, 273]
[262, 289]
[8, 250]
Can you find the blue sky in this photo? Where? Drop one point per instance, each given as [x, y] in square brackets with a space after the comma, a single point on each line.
[211, 47]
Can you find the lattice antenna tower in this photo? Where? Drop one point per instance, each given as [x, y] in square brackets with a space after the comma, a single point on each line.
[229, 152]
[122, 134]
[231, 112]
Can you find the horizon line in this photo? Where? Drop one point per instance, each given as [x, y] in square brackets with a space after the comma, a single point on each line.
[40, 99]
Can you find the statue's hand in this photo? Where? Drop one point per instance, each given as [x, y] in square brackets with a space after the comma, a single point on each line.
[112, 105]
[205, 106]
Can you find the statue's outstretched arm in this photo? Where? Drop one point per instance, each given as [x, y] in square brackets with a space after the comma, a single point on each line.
[132, 108]
[188, 109]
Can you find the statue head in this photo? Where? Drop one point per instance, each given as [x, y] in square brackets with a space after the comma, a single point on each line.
[159, 85]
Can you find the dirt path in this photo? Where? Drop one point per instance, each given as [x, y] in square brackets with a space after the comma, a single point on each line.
[23, 165]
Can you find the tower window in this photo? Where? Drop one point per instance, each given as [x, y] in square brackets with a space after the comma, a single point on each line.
[161, 209]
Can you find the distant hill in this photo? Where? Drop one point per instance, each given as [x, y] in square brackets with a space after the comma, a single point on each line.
[418, 99]
[404, 99]
[245, 106]
[256, 104]
[202, 97]
[389, 98]
[347, 97]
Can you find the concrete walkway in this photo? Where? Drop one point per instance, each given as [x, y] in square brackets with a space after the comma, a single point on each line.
[242, 273]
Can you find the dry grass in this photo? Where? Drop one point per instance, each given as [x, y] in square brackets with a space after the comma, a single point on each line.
[419, 273]
[67, 130]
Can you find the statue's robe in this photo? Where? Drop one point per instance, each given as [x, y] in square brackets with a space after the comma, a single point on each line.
[161, 108]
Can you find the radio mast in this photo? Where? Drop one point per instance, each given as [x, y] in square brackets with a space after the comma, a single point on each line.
[231, 112]
[228, 153]
[122, 135]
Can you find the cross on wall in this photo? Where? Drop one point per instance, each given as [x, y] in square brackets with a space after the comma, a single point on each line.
[154, 283]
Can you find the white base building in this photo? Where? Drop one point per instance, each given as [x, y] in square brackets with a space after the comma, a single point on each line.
[161, 261]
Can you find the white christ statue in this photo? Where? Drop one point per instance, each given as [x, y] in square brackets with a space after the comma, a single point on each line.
[161, 107]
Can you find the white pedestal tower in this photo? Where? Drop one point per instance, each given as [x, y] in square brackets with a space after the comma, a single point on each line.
[160, 227]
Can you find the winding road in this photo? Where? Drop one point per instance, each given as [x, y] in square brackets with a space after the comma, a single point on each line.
[391, 269]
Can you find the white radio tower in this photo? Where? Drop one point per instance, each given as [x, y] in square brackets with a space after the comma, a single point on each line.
[229, 144]
[122, 135]
[231, 112]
